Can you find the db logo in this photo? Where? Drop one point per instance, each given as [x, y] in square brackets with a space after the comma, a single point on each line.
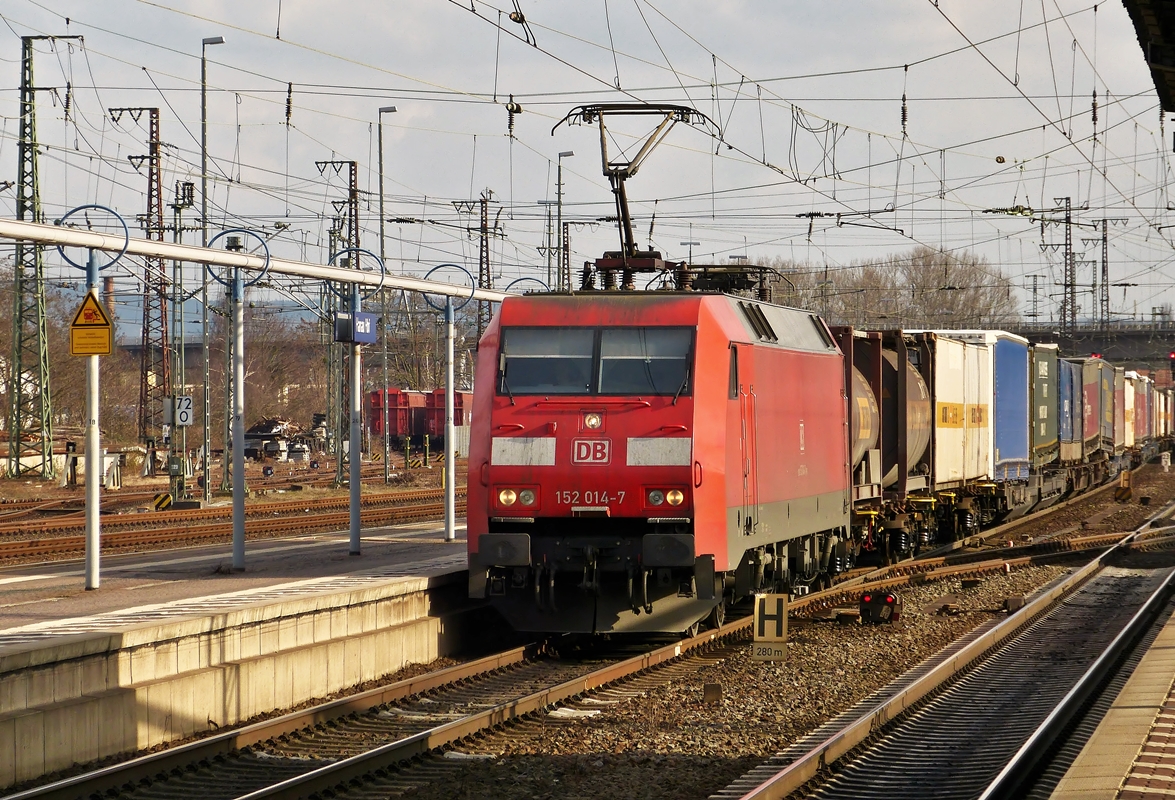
[591, 451]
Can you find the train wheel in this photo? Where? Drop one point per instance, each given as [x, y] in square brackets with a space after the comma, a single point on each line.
[692, 630]
[717, 616]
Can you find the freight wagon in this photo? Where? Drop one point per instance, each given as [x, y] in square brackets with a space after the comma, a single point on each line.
[412, 415]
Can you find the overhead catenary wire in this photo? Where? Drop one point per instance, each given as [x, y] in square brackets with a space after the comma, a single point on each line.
[921, 150]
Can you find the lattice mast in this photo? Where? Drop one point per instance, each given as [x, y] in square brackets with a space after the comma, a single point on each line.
[485, 278]
[1104, 290]
[155, 357]
[345, 235]
[30, 403]
[1069, 317]
[333, 353]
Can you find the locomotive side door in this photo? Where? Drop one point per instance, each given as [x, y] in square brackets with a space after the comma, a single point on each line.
[744, 355]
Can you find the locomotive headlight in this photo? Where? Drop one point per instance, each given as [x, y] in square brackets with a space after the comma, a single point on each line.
[674, 497]
[593, 420]
[656, 497]
[526, 497]
[507, 497]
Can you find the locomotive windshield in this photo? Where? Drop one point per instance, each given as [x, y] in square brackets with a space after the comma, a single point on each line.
[606, 361]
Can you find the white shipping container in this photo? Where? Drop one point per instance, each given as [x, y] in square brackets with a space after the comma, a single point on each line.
[980, 407]
[963, 389]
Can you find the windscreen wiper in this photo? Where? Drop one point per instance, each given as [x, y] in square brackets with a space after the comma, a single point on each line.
[505, 381]
[681, 388]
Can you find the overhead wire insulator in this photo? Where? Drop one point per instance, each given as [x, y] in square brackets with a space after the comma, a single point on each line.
[289, 102]
[905, 112]
[512, 108]
[1095, 108]
[516, 16]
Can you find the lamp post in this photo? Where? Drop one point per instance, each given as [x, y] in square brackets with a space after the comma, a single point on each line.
[211, 40]
[691, 244]
[383, 295]
[564, 283]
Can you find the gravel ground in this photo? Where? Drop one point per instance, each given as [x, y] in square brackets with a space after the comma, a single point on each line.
[1108, 514]
[662, 741]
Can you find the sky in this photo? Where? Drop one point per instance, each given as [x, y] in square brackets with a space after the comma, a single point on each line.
[810, 153]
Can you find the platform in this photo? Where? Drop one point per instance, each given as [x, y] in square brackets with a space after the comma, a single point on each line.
[54, 591]
[1131, 755]
[175, 643]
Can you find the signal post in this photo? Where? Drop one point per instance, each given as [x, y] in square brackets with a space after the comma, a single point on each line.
[91, 335]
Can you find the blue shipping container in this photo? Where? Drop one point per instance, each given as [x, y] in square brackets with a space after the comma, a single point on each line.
[1011, 415]
[1070, 409]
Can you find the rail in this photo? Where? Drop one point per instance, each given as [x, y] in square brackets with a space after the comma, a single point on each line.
[805, 768]
[59, 545]
[1030, 753]
[326, 776]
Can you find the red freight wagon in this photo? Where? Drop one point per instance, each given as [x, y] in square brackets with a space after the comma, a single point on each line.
[636, 455]
[400, 403]
[435, 414]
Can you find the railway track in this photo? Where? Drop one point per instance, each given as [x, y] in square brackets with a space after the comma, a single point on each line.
[14, 509]
[70, 524]
[1011, 688]
[360, 746]
[214, 524]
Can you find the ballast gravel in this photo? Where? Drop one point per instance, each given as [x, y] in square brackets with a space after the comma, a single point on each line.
[1102, 513]
[656, 739]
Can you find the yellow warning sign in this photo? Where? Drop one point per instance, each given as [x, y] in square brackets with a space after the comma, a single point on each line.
[92, 332]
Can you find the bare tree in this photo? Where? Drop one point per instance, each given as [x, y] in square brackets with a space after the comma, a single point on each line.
[924, 288]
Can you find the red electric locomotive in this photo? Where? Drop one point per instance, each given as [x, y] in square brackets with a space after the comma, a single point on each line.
[646, 453]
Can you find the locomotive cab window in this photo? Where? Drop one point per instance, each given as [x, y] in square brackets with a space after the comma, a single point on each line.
[546, 361]
[644, 360]
[607, 361]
